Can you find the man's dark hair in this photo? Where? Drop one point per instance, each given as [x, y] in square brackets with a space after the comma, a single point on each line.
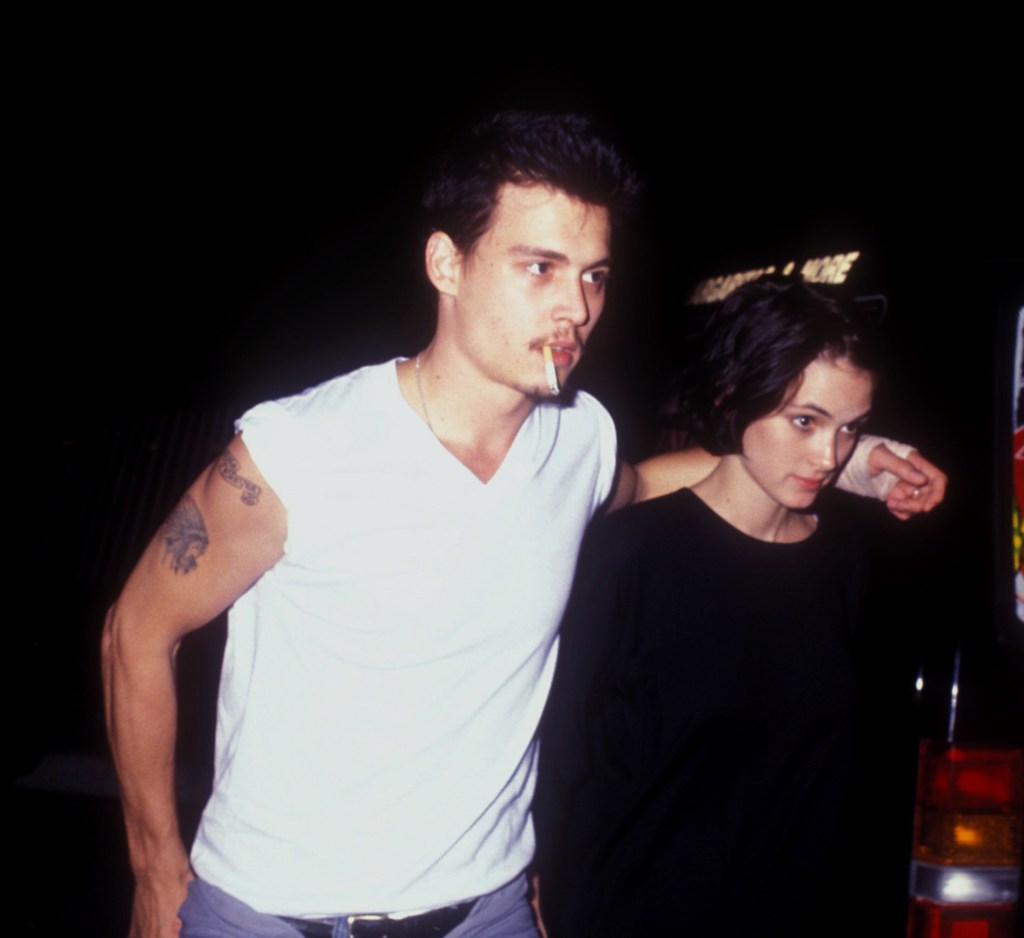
[756, 347]
[562, 151]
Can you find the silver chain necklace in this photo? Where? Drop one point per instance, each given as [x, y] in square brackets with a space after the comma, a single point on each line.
[423, 400]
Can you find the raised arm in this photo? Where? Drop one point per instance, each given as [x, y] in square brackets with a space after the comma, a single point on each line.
[659, 476]
[895, 473]
[892, 472]
[227, 530]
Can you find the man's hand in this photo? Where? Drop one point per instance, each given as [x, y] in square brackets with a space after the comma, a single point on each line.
[155, 907]
[895, 473]
[919, 487]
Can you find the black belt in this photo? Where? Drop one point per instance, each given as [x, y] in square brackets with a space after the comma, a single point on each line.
[432, 924]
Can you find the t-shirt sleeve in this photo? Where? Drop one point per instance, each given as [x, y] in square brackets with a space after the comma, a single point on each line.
[607, 444]
[856, 476]
[271, 435]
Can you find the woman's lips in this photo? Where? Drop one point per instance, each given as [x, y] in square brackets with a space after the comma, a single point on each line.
[809, 485]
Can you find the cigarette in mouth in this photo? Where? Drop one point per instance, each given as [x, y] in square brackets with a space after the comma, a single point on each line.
[549, 371]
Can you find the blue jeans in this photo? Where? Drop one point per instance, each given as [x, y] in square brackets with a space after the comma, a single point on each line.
[209, 912]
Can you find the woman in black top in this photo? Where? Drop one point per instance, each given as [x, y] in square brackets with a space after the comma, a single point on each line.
[698, 746]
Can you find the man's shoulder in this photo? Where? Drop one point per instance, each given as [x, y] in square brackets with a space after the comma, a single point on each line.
[336, 393]
[296, 439]
[586, 404]
[588, 416]
[355, 391]
[584, 435]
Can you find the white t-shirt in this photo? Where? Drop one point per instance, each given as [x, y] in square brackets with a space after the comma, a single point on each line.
[383, 682]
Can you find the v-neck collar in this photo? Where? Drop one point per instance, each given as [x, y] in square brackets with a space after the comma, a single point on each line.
[516, 460]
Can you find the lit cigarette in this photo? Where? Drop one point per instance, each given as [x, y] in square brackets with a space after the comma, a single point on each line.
[549, 370]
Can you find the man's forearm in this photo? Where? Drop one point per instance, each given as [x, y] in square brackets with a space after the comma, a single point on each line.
[668, 472]
[141, 712]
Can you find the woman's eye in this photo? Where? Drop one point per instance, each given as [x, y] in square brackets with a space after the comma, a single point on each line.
[596, 277]
[539, 268]
[803, 421]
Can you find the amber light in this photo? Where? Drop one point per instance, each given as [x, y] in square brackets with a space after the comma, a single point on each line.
[942, 837]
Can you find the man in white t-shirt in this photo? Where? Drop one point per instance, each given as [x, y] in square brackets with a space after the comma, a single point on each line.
[396, 546]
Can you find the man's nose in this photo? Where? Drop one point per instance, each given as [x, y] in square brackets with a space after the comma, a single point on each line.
[574, 304]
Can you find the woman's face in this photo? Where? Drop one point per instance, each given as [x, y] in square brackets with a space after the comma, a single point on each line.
[792, 453]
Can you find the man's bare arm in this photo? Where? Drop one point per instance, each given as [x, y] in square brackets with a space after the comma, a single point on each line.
[659, 476]
[892, 472]
[668, 472]
[895, 473]
[227, 530]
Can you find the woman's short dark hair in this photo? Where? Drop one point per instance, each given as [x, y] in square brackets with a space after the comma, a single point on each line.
[562, 151]
[756, 347]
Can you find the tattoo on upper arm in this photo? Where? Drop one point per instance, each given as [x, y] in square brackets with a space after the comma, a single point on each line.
[228, 469]
[185, 537]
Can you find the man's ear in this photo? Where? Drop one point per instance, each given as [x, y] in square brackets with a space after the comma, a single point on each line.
[443, 262]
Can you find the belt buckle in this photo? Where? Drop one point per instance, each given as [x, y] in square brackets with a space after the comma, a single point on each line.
[369, 920]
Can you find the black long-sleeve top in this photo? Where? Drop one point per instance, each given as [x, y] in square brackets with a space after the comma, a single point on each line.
[696, 753]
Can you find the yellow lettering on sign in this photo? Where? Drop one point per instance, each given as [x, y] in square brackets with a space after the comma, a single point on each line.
[843, 266]
[811, 269]
[832, 269]
[718, 288]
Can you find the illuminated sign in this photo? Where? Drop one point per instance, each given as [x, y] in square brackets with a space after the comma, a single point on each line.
[833, 268]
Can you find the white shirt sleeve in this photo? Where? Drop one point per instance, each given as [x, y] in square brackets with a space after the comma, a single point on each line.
[856, 477]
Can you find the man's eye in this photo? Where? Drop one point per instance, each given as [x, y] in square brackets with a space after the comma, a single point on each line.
[539, 268]
[596, 277]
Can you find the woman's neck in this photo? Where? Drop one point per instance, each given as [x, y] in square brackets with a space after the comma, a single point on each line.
[734, 496]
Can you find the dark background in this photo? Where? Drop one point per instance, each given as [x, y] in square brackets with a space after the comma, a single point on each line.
[208, 217]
